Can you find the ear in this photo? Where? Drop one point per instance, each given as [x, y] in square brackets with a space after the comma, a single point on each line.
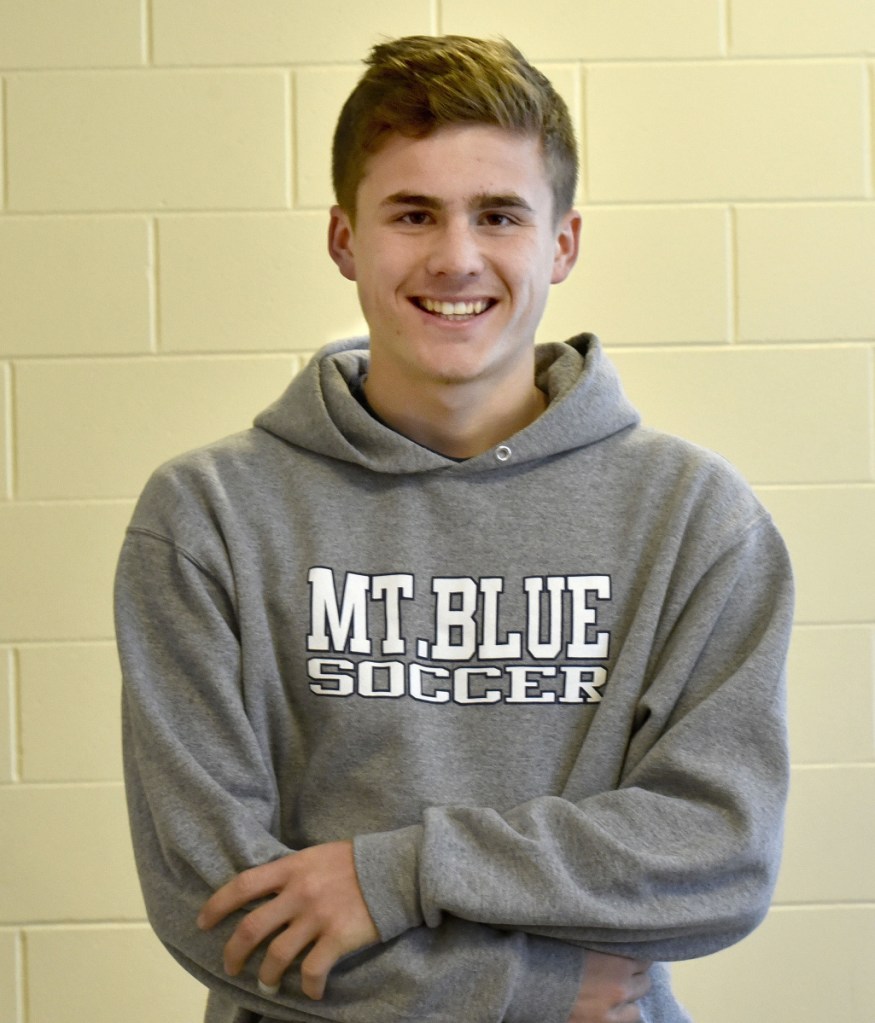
[567, 246]
[340, 242]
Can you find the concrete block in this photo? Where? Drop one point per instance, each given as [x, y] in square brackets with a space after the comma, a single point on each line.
[782, 415]
[278, 32]
[594, 29]
[74, 286]
[832, 861]
[107, 974]
[715, 131]
[97, 428]
[798, 27]
[57, 562]
[806, 272]
[69, 710]
[57, 34]
[148, 140]
[803, 964]
[831, 694]
[251, 282]
[647, 275]
[829, 533]
[66, 855]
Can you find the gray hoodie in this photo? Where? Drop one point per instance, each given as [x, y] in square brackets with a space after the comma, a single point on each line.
[541, 689]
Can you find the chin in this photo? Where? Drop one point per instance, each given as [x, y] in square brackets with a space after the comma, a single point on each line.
[462, 359]
[456, 370]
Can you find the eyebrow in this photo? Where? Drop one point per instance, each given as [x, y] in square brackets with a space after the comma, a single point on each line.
[481, 201]
[408, 199]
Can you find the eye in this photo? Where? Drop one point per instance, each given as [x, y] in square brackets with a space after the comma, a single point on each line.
[416, 217]
[498, 220]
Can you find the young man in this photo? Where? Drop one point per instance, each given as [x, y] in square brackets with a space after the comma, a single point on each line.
[448, 677]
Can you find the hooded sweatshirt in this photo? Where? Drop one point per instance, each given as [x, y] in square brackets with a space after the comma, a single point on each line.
[541, 690]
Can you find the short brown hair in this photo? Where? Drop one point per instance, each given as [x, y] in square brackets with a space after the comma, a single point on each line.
[418, 84]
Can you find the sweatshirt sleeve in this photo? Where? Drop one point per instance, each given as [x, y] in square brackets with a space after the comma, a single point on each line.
[204, 805]
[681, 858]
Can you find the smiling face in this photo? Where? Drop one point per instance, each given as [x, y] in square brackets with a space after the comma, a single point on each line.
[453, 249]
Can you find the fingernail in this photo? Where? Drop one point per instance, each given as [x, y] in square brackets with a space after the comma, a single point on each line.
[268, 989]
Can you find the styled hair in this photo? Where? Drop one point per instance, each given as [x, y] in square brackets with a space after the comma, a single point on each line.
[418, 84]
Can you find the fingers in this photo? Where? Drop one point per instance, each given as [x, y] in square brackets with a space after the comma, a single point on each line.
[253, 884]
[255, 928]
[282, 951]
[629, 1013]
[636, 987]
[315, 968]
[639, 985]
[610, 989]
[313, 898]
[279, 955]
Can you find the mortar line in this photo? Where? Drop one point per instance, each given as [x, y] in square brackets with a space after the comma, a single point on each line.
[4, 134]
[869, 140]
[291, 147]
[152, 272]
[24, 986]
[6, 484]
[725, 28]
[14, 716]
[732, 271]
[872, 414]
[12, 471]
[147, 49]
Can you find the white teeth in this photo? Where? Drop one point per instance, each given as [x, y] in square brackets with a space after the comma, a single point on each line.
[454, 308]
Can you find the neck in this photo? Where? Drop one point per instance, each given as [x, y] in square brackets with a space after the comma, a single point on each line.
[458, 419]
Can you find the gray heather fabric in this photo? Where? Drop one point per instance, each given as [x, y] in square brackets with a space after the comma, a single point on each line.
[542, 689]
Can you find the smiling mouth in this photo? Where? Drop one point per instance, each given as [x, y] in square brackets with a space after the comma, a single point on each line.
[454, 311]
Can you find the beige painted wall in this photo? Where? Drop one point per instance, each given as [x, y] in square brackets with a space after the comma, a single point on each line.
[163, 187]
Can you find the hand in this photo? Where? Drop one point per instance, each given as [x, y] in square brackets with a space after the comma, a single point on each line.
[611, 986]
[317, 901]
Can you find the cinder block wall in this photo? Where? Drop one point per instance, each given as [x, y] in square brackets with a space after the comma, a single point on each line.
[162, 219]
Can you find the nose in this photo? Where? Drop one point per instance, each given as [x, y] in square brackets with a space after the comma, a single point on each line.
[455, 251]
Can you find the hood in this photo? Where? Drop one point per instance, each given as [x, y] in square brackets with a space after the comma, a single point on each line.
[318, 412]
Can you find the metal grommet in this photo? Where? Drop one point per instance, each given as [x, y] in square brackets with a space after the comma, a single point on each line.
[503, 453]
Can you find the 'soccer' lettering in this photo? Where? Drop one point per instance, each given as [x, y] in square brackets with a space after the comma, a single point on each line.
[359, 628]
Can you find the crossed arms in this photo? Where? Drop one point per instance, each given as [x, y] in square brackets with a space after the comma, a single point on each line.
[690, 816]
[315, 900]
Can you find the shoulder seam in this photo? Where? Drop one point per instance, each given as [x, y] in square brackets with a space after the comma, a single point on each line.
[178, 548]
[762, 520]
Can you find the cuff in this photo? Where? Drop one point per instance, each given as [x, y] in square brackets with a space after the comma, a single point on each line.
[387, 864]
